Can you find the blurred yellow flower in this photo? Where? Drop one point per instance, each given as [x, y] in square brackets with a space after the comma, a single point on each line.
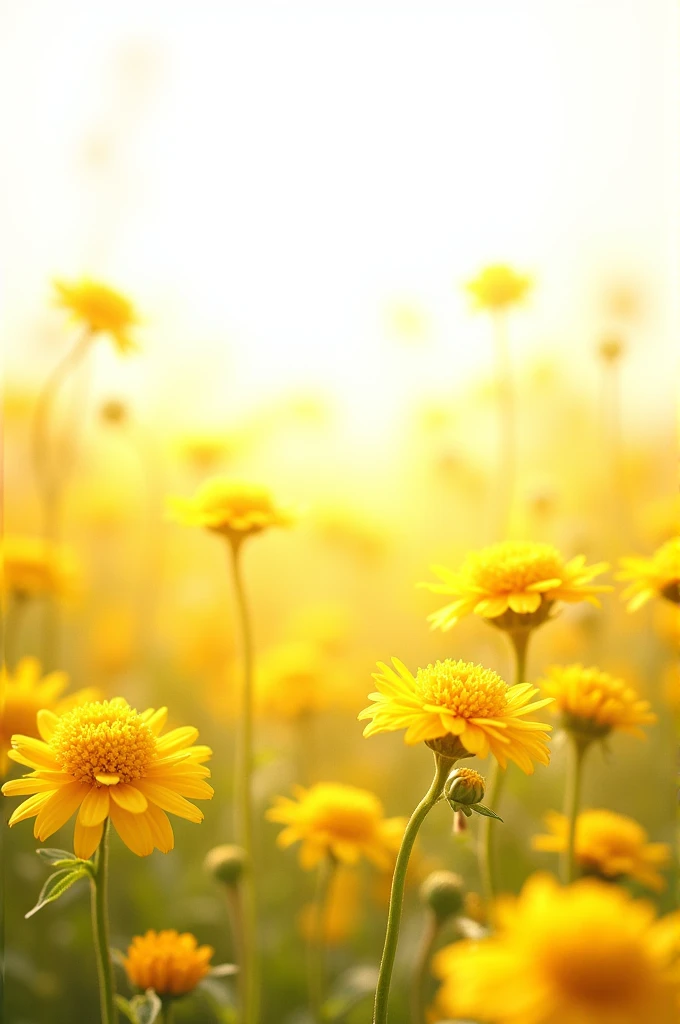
[230, 507]
[206, 449]
[31, 567]
[23, 693]
[340, 915]
[459, 709]
[99, 308]
[658, 576]
[407, 321]
[586, 954]
[112, 640]
[104, 759]
[514, 583]
[497, 287]
[292, 681]
[170, 963]
[331, 819]
[593, 703]
[608, 844]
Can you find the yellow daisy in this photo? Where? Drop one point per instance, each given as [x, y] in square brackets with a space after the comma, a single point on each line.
[459, 709]
[658, 576]
[331, 819]
[592, 703]
[514, 583]
[585, 954]
[31, 567]
[497, 287]
[230, 507]
[170, 963]
[608, 844]
[106, 760]
[99, 308]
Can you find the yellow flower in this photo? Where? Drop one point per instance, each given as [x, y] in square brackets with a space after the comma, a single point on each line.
[515, 583]
[608, 844]
[99, 308]
[22, 695]
[586, 954]
[291, 681]
[459, 709]
[658, 576]
[31, 567]
[104, 759]
[170, 963]
[593, 703]
[229, 507]
[331, 819]
[497, 287]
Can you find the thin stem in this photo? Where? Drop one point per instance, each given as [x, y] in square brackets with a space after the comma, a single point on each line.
[244, 803]
[167, 1014]
[442, 768]
[235, 911]
[100, 929]
[572, 799]
[317, 939]
[421, 973]
[507, 448]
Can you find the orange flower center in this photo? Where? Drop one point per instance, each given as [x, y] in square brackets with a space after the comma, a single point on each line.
[100, 739]
[467, 690]
[512, 566]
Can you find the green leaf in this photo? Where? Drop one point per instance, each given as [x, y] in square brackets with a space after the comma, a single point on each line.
[223, 970]
[146, 1007]
[486, 811]
[52, 856]
[125, 1008]
[56, 885]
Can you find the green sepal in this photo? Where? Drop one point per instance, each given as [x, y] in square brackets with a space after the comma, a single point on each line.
[57, 884]
[61, 858]
[486, 811]
[141, 1009]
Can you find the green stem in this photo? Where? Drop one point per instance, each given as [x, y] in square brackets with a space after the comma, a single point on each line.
[317, 939]
[572, 798]
[167, 1014]
[421, 974]
[442, 768]
[100, 929]
[235, 911]
[249, 1011]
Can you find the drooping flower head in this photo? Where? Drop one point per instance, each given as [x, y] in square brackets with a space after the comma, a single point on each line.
[585, 954]
[514, 583]
[592, 703]
[106, 760]
[230, 507]
[658, 576]
[608, 844]
[459, 709]
[497, 287]
[99, 308]
[31, 567]
[170, 963]
[331, 819]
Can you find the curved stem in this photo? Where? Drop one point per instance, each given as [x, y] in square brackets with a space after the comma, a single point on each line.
[317, 939]
[572, 798]
[244, 802]
[442, 768]
[100, 929]
[422, 973]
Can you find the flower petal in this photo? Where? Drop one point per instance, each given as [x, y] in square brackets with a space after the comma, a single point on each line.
[129, 798]
[95, 807]
[133, 829]
[86, 840]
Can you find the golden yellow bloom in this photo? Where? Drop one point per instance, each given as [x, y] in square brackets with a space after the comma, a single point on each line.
[230, 507]
[608, 844]
[459, 709]
[592, 702]
[497, 287]
[99, 308]
[104, 759]
[658, 576]
[515, 583]
[585, 954]
[32, 568]
[23, 693]
[331, 819]
[170, 963]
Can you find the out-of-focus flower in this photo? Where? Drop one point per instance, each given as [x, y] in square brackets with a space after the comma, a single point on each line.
[498, 287]
[658, 576]
[331, 819]
[608, 844]
[18, 401]
[327, 625]
[206, 449]
[585, 954]
[459, 709]
[99, 308]
[114, 411]
[292, 681]
[515, 583]
[226, 863]
[170, 963]
[31, 567]
[23, 693]
[611, 348]
[444, 894]
[104, 759]
[112, 640]
[230, 507]
[341, 914]
[353, 531]
[407, 321]
[592, 703]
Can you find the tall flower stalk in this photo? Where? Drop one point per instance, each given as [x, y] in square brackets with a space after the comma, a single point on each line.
[100, 930]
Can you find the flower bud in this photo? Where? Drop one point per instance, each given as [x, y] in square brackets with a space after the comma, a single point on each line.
[226, 864]
[443, 892]
[464, 786]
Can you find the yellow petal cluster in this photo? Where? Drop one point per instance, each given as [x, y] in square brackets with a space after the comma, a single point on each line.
[100, 309]
[497, 287]
[230, 507]
[170, 963]
[32, 567]
[592, 703]
[658, 576]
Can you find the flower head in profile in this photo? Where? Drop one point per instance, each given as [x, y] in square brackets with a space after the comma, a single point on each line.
[585, 954]
[593, 703]
[23, 693]
[105, 760]
[331, 819]
[514, 583]
[170, 963]
[230, 507]
[497, 287]
[608, 844]
[459, 709]
[31, 567]
[658, 576]
[100, 309]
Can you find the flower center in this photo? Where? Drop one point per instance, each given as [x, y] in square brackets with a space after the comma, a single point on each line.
[512, 566]
[611, 972]
[103, 739]
[348, 815]
[467, 690]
